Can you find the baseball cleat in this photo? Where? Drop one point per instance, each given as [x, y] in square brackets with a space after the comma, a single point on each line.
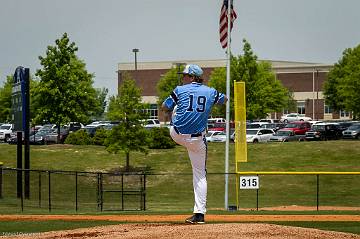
[197, 218]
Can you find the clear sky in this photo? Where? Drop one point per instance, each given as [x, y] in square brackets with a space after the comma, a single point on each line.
[173, 30]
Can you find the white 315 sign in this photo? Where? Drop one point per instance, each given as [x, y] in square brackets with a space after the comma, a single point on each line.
[249, 182]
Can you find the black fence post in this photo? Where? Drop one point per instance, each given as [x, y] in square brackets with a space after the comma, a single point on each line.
[257, 197]
[144, 192]
[122, 191]
[19, 164]
[49, 178]
[101, 192]
[317, 192]
[98, 191]
[1, 173]
[76, 191]
[26, 100]
[39, 189]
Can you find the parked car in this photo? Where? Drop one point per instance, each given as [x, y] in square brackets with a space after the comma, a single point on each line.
[353, 132]
[74, 126]
[47, 127]
[294, 117]
[151, 123]
[344, 125]
[273, 126]
[312, 122]
[324, 131]
[52, 136]
[258, 135]
[283, 135]
[220, 136]
[299, 127]
[216, 120]
[13, 138]
[270, 120]
[255, 125]
[216, 127]
[210, 134]
[40, 137]
[5, 131]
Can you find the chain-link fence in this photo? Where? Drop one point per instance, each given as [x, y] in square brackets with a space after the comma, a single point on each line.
[68, 191]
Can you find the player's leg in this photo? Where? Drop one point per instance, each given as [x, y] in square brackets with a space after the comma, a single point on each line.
[197, 150]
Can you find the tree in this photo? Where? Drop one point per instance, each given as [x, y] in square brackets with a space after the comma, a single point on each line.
[167, 84]
[6, 97]
[129, 135]
[65, 92]
[5, 100]
[342, 87]
[264, 93]
[101, 98]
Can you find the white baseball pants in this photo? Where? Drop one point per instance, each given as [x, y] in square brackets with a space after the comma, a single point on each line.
[197, 150]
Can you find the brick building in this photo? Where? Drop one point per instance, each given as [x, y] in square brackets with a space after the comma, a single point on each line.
[305, 80]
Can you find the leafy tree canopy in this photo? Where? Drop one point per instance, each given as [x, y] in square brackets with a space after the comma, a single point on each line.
[342, 86]
[167, 84]
[65, 92]
[264, 93]
[6, 96]
[129, 135]
[5, 100]
[101, 99]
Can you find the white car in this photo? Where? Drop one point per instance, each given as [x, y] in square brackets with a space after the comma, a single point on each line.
[256, 125]
[216, 120]
[258, 135]
[294, 117]
[5, 131]
[211, 134]
[151, 123]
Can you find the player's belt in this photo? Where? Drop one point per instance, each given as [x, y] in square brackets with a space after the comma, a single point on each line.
[192, 135]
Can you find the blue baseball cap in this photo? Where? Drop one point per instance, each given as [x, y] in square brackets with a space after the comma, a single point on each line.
[192, 69]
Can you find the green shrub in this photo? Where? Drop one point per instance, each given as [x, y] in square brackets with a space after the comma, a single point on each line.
[80, 137]
[100, 136]
[160, 138]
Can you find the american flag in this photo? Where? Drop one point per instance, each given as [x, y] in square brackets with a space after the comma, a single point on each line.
[224, 22]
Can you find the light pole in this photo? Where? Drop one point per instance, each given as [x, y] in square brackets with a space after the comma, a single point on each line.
[178, 66]
[135, 50]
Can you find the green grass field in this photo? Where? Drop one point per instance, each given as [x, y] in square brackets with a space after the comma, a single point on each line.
[169, 186]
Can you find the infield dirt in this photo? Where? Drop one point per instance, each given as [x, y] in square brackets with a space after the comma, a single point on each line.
[172, 226]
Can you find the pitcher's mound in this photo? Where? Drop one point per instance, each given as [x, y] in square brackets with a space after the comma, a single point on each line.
[228, 231]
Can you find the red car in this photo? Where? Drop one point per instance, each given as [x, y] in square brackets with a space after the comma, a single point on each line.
[299, 127]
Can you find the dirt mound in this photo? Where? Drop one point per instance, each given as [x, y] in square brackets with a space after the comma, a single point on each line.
[179, 231]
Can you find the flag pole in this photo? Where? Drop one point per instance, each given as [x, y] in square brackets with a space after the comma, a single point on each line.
[228, 55]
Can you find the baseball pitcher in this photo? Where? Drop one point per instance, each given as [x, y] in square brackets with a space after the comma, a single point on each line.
[192, 103]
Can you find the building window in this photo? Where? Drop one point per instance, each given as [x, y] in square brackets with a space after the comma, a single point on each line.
[328, 109]
[152, 111]
[301, 107]
[344, 114]
[286, 111]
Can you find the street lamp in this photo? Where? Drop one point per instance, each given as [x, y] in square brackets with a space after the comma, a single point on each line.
[135, 50]
[178, 66]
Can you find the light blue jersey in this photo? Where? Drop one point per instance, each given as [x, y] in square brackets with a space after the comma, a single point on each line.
[194, 103]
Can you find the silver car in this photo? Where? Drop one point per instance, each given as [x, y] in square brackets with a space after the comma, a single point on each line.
[286, 136]
[352, 132]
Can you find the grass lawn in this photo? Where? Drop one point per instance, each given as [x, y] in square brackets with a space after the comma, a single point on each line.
[169, 185]
[13, 228]
[349, 227]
